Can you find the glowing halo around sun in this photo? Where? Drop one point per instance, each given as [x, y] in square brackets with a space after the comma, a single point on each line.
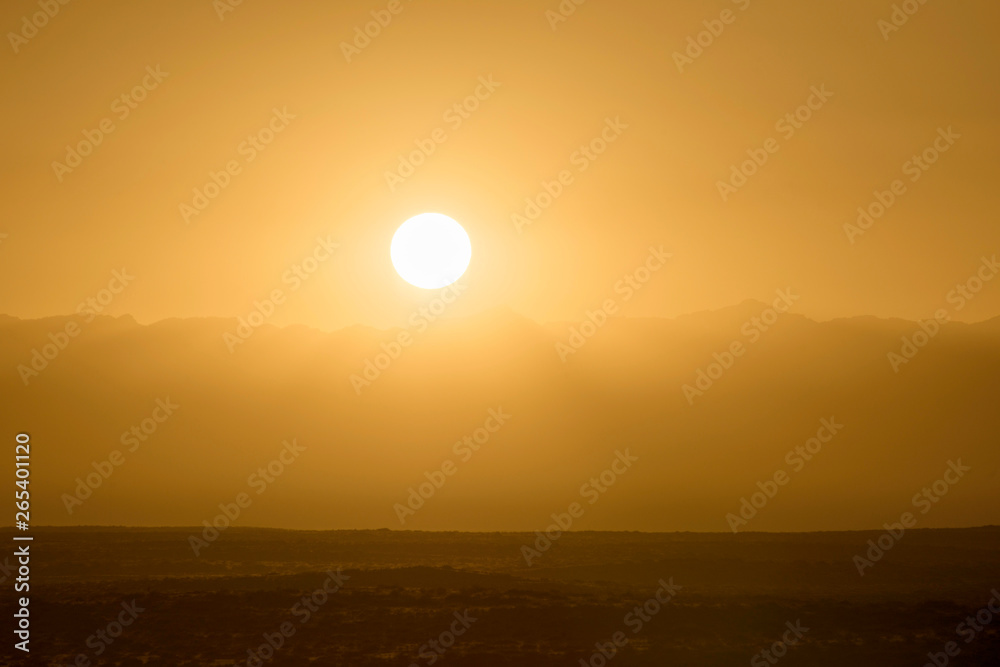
[430, 251]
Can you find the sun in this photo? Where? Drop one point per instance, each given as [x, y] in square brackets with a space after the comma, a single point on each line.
[430, 251]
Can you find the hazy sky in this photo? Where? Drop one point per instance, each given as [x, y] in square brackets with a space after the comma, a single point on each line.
[342, 125]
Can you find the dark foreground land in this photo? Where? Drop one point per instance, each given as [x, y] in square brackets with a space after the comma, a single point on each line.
[402, 591]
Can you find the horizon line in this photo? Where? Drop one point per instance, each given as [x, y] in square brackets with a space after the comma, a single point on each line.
[487, 311]
[505, 532]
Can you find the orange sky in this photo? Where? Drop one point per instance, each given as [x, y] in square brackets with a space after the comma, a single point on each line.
[552, 90]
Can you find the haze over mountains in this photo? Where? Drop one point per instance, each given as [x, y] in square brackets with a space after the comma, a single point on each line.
[557, 425]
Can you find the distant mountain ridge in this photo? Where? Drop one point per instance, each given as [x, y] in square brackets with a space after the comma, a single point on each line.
[368, 443]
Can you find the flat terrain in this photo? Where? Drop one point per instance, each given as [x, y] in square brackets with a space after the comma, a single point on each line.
[403, 589]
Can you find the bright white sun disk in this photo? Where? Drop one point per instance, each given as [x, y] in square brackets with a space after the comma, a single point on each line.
[431, 251]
